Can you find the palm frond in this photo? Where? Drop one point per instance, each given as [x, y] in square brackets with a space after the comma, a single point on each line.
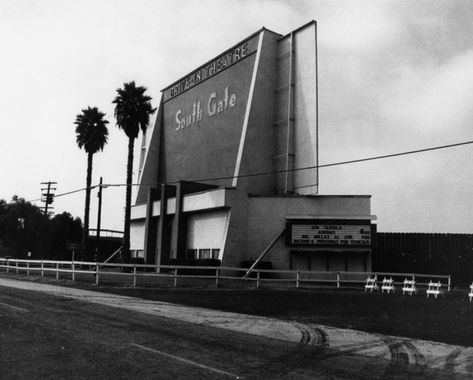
[132, 109]
[91, 130]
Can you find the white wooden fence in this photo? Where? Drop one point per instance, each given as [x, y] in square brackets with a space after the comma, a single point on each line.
[145, 274]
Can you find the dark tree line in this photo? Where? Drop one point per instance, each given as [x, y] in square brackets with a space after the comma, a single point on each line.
[25, 232]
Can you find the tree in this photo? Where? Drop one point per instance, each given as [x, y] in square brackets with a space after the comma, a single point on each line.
[132, 111]
[92, 135]
[23, 228]
[64, 230]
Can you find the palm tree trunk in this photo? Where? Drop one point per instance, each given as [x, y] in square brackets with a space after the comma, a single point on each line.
[129, 177]
[85, 231]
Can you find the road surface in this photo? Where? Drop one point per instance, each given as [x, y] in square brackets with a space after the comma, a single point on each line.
[49, 335]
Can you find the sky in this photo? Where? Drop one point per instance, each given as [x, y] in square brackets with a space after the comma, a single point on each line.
[394, 76]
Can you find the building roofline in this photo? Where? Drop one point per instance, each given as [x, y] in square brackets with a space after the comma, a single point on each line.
[218, 55]
[308, 196]
[332, 217]
[310, 23]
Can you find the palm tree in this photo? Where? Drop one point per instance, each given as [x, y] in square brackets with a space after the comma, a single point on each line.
[132, 111]
[92, 135]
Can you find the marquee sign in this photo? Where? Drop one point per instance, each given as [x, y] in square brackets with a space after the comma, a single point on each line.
[203, 124]
[227, 59]
[333, 233]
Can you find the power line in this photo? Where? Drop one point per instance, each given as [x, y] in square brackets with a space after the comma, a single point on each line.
[285, 170]
[339, 163]
[397, 154]
[67, 193]
[76, 191]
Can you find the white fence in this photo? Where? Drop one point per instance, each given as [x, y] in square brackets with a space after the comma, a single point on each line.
[142, 274]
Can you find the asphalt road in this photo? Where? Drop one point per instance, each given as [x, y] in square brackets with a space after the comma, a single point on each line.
[52, 337]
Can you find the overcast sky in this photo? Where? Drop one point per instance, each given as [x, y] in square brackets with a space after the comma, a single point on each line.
[393, 76]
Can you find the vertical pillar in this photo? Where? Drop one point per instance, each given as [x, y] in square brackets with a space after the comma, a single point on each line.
[289, 164]
[163, 238]
[150, 228]
[178, 233]
[99, 220]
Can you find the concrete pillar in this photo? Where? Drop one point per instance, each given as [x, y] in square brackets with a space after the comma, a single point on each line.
[163, 238]
[178, 238]
[150, 227]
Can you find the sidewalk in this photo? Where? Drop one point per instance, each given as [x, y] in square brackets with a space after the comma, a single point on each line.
[398, 350]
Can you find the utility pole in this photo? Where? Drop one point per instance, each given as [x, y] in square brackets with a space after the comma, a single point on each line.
[47, 195]
[99, 218]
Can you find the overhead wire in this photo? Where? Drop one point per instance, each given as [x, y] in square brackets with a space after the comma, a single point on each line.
[67, 193]
[339, 163]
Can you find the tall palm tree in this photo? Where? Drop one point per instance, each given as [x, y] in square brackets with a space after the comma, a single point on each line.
[132, 111]
[92, 135]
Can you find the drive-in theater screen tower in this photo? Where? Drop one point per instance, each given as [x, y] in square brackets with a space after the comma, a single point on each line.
[221, 174]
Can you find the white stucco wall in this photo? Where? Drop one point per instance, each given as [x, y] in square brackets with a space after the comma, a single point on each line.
[305, 110]
[207, 230]
[267, 218]
[137, 234]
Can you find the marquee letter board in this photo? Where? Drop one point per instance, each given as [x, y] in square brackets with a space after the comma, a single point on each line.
[347, 233]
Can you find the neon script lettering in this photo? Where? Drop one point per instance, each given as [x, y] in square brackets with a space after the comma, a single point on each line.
[216, 104]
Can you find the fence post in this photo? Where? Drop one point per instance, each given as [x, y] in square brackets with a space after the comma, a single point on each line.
[16, 263]
[134, 275]
[175, 277]
[57, 271]
[96, 274]
[297, 278]
[27, 268]
[449, 282]
[42, 269]
[413, 277]
[8, 266]
[257, 279]
[73, 273]
[216, 277]
[338, 279]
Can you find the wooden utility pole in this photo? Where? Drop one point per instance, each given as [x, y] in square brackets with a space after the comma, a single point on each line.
[99, 219]
[47, 195]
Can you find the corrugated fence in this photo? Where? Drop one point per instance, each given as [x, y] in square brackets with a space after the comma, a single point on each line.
[425, 253]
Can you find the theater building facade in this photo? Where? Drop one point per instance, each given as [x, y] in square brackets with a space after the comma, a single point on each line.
[229, 170]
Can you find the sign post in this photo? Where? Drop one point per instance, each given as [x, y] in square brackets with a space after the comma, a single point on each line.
[73, 247]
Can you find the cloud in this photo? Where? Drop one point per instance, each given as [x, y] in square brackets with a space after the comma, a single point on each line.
[357, 25]
[434, 98]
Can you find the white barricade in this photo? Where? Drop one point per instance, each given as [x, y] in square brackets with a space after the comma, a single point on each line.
[371, 284]
[409, 286]
[388, 285]
[435, 288]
